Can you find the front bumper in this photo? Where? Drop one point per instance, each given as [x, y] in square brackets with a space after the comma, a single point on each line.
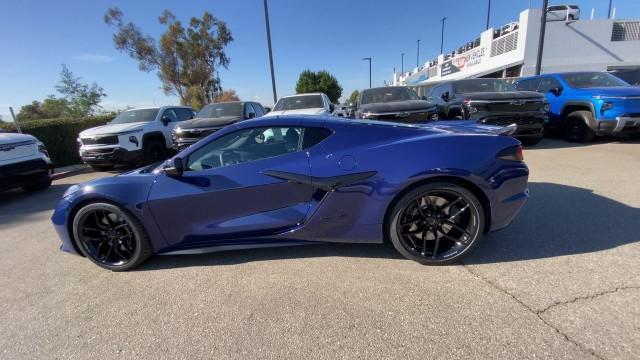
[111, 155]
[14, 175]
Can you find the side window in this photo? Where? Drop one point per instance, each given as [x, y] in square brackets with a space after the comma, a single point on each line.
[258, 109]
[245, 146]
[314, 135]
[547, 83]
[435, 92]
[171, 114]
[248, 111]
[528, 85]
[184, 113]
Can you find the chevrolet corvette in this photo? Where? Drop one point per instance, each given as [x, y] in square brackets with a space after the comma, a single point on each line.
[432, 190]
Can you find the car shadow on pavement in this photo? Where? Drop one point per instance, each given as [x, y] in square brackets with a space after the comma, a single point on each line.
[557, 220]
[560, 220]
[233, 257]
[17, 205]
[557, 142]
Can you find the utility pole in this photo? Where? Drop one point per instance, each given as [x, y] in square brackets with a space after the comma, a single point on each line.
[15, 120]
[610, 3]
[418, 55]
[442, 35]
[543, 27]
[402, 64]
[369, 59]
[488, 14]
[273, 78]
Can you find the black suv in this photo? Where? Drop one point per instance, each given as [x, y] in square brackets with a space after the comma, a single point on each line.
[214, 117]
[394, 103]
[493, 102]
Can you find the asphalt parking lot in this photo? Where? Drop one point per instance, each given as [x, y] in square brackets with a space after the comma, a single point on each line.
[562, 282]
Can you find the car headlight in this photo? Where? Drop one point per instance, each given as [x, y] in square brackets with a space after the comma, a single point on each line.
[43, 149]
[606, 106]
[546, 107]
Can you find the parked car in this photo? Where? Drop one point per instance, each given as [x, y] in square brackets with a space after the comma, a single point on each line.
[303, 104]
[394, 103]
[137, 136]
[212, 118]
[295, 180]
[563, 12]
[342, 111]
[586, 104]
[494, 102]
[24, 162]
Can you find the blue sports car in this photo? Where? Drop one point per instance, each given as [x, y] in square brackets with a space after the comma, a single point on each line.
[432, 190]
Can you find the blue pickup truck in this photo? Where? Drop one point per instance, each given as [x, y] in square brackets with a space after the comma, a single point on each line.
[586, 104]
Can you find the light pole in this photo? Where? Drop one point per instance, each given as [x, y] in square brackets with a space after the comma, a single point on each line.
[488, 13]
[609, 16]
[273, 78]
[442, 35]
[543, 27]
[418, 55]
[369, 59]
[402, 64]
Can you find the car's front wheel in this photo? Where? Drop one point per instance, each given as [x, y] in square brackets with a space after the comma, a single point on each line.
[111, 237]
[39, 182]
[436, 223]
[576, 128]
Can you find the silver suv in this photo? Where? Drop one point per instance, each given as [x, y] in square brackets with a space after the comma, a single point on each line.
[563, 12]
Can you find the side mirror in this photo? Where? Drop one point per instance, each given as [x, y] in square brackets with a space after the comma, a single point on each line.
[423, 97]
[175, 168]
[555, 90]
[332, 107]
[267, 109]
[252, 115]
[445, 96]
[165, 120]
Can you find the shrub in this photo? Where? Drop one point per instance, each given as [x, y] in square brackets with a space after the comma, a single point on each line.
[59, 135]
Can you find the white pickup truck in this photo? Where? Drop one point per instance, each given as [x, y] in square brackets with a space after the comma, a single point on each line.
[24, 162]
[303, 104]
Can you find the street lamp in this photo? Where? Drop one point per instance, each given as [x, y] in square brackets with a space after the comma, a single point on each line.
[609, 16]
[418, 55]
[273, 78]
[442, 35]
[402, 64]
[369, 59]
[543, 28]
[488, 13]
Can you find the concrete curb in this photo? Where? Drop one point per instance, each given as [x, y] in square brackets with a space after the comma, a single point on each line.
[66, 171]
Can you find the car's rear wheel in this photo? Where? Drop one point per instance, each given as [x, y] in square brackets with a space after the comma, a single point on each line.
[575, 126]
[39, 182]
[436, 223]
[111, 237]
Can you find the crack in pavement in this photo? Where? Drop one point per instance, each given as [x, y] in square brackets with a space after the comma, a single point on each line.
[534, 312]
[588, 297]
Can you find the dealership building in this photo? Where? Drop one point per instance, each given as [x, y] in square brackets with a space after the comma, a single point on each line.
[511, 51]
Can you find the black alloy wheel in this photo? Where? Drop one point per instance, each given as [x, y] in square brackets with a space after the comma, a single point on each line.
[436, 223]
[575, 127]
[110, 237]
[154, 152]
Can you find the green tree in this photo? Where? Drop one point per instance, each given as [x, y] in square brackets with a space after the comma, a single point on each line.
[353, 98]
[227, 95]
[321, 81]
[81, 99]
[185, 58]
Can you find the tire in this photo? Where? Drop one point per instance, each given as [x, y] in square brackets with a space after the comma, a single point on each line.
[111, 237]
[102, 168]
[154, 151]
[531, 141]
[448, 203]
[40, 182]
[576, 128]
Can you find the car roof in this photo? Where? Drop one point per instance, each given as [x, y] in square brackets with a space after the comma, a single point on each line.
[305, 94]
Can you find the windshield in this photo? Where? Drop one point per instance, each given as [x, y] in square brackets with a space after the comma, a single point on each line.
[132, 116]
[221, 110]
[299, 102]
[482, 85]
[388, 94]
[593, 79]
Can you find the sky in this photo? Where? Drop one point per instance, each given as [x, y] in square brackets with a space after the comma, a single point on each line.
[38, 36]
